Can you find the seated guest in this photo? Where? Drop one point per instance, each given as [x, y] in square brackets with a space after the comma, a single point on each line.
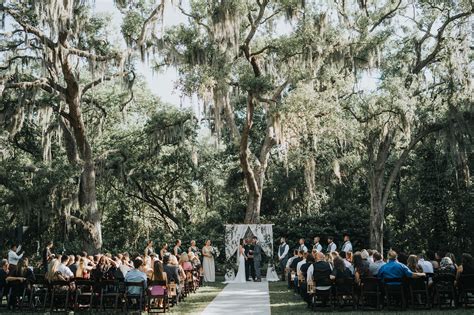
[288, 265]
[298, 267]
[184, 262]
[375, 266]
[73, 263]
[347, 263]
[432, 258]
[304, 272]
[53, 274]
[403, 258]
[446, 266]
[158, 275]
[137, 274]
[395, 270]
[172, 271]
[19, 280]
[453, 259]
[426, 266]
[319, 273]
[340, 270]
[412, 264]
[81, 270]
[64, 269]
[361, 266]
[466, 267]
[371, 255]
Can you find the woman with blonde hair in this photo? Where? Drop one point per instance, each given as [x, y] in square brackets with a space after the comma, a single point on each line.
[53, 274]
[184, 262]
[82, 271]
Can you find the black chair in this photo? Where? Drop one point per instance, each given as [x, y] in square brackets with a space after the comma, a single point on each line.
[344, 293]
[39, 294]
[86, 292]
[419, 294]
[322, 298]
[370, 293]
[60, 294]
[466, 290]
[132, 299]
[395, 293]
[111, 293]
[445, 293]
[157, 290]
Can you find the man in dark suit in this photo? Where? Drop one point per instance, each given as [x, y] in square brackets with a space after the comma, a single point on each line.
[257, 258]
[249, 265]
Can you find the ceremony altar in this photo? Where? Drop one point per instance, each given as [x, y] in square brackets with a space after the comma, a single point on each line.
[264, 233]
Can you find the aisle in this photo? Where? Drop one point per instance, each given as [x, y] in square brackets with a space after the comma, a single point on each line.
[241, 298]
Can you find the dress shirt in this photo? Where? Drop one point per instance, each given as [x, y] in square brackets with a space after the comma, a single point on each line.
[13, 256]
[331, 247]
[285, 251]
[65, 271]
[290, 260]
[317, 247]
[347, 247]
[298, 266]
[426, 266]
[393, 269]
[135, 275]
[303, 248]
[375, 266]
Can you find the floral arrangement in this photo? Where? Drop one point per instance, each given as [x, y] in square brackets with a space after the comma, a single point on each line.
[215, 252]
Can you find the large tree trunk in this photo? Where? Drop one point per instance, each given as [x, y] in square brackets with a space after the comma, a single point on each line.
[377, 212]
[91, 223]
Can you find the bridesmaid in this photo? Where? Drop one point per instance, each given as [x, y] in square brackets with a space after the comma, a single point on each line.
[208, 263]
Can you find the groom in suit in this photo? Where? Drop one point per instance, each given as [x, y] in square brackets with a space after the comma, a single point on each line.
[249, 265]
[257, 258]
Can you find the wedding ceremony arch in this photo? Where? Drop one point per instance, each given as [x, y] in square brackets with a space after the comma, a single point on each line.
[264, 233]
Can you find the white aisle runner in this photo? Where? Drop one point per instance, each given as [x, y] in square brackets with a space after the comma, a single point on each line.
[241, 298]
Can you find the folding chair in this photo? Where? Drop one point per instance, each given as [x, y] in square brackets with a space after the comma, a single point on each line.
[394, 293]
[157, 291]
[466, 290]
[134, 299]
[86, 290]
[419, 294]
[344, 293]
[445, 293]
[110, 291]
[370, 293]
[60, 292]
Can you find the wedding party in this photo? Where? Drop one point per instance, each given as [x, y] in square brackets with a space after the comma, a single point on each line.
[254, 157]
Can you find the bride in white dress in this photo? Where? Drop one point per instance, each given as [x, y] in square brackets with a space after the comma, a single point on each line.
[240, 277]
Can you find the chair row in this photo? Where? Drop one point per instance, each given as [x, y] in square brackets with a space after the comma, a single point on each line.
[79, 294]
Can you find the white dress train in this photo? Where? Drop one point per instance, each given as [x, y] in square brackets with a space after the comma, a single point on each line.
[240, 277]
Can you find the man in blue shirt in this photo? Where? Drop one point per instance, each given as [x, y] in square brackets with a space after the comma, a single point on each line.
[393, 269]
[136, 275]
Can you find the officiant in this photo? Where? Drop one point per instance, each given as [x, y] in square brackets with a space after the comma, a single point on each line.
[249, 264]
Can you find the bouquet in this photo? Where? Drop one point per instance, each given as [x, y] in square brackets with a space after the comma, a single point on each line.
[215, 252]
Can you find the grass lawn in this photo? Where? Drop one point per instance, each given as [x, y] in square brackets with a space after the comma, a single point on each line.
[197, 302]
[285, 302]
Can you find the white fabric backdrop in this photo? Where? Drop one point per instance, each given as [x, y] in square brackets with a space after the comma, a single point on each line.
[264, 234]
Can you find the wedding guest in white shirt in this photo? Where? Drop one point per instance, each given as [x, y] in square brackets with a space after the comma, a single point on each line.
[347, 246]
[14, 257]
[425, 265]
[331, 246]
[375, 266]
[64, 269]
[302, 246]
[317, 246]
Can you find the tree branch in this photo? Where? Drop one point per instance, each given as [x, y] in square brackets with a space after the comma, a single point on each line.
[385, 16]
[94, 83]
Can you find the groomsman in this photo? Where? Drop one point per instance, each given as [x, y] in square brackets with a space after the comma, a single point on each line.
[317, 247]
[283, 250]
[302, 246]
[331, 246]
[347, 246]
